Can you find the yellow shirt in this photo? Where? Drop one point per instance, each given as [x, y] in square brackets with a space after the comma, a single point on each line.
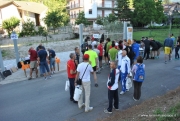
[92, 57]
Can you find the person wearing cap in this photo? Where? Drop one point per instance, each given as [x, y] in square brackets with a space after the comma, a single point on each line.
[93, 59]
[84, 70]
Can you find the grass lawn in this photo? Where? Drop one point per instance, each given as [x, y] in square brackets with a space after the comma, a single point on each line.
[157, 34]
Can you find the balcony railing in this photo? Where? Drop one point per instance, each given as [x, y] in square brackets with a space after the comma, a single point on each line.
[105, 5]
[100, 15]
[73, 6]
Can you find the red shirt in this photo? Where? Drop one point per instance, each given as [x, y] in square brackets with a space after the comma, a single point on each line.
[33, 55]
[71, 66]
[100, 48]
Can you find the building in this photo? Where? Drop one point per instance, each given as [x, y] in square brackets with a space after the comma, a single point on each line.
[91, 8]
[23, 11]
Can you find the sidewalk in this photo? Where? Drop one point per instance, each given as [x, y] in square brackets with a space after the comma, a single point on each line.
[20, 76]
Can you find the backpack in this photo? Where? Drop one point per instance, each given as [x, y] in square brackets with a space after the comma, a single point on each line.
[140, 73]
[84, 47]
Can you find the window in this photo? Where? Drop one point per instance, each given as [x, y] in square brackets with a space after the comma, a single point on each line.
[90, 11]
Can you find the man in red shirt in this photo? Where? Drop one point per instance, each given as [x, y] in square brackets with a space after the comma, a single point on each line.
[71, 71]
[33, 62]
[100, 48]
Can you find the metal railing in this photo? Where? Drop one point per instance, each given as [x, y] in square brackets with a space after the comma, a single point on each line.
[77, 5]
[106, 6]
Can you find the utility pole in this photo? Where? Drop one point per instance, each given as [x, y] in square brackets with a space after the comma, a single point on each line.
[80, 34]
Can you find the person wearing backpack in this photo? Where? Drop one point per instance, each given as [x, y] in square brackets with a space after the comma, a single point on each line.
[84, 46]
[138, 71]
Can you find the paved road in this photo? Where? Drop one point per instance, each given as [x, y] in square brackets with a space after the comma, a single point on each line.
[40, 100]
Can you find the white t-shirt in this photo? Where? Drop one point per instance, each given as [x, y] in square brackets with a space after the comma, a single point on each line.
[81, 68]
[93, 43]
[97, 51]
[119, 57]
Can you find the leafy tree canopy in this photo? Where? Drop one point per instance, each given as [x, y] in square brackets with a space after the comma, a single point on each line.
[81, 19]
[10, 24]
[54, 20]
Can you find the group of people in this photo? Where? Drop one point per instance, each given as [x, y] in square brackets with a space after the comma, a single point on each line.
[41, 58]
[120, 56]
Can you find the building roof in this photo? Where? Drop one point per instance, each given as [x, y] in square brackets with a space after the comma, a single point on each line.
[27, 6]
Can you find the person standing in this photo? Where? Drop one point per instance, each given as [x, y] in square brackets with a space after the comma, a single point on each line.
[168, 45]
[71, 71]
[119, 58]
[42, 61]
[112, 85]
[138, 78]
[135, 48]
[154, 48]
[113, 52]
[177, 48]
[159, 48]
[147, 49]
[100, 48]
[52, 56]
[84, 46]
[93, 43]
[125, 71]
[84, 70]
[33, 62]
[105, 52]
[107, 48]
[77, 55]
[97, 64]
[93, 59]
[37, 49]
[129, 51]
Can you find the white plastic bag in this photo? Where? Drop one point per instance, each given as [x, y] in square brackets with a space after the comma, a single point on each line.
[128, 83]
[67, 85]
[77, 93]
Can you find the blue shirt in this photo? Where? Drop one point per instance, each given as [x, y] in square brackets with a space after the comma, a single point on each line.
[42, 54]
[168, 42]
[52, 53]
[135, 49]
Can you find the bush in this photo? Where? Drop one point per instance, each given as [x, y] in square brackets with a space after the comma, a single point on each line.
[10, 24]
[28, 28]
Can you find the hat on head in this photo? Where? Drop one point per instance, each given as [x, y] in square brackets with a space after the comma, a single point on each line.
[86, 56]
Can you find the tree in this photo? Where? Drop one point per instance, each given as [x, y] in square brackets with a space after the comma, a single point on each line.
[147, 11]
[10, 24]
[28, 28]
[54, 19]
[123, 11]
[99, 20]
[81, 19]
[159, 12]
[111, 18]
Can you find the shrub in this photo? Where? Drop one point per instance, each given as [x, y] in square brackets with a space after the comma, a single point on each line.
[28, 28]
[10, 24]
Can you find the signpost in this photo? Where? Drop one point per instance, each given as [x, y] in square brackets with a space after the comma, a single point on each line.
[129, 34]
[14, 37]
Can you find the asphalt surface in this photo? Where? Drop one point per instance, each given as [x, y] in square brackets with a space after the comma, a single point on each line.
[40, 100]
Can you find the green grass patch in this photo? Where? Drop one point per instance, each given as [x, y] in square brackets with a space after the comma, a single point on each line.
[5, 53]
[157, 34]
[173, 114]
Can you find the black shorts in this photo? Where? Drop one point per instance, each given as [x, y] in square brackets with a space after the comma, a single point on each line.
[105, 54]
[94, 68]
[100, 58]
[154, 49]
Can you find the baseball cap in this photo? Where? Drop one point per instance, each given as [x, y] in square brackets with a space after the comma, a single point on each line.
[86, 56]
